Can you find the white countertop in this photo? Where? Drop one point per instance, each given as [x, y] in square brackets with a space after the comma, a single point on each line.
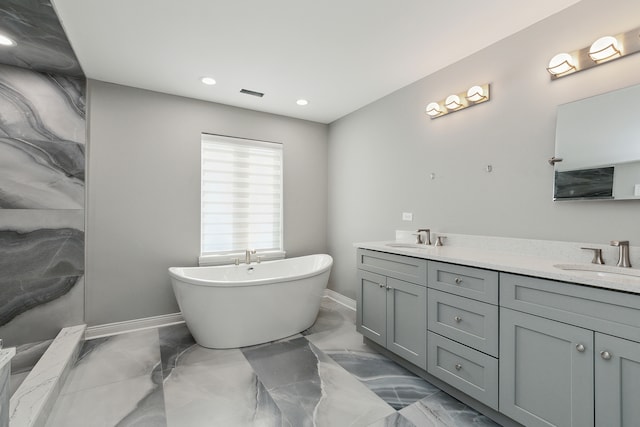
[510, 262]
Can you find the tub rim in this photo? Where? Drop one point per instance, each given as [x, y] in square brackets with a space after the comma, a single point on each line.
[174, 274]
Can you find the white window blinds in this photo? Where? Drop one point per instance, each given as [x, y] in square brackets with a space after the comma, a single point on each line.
[241, 195]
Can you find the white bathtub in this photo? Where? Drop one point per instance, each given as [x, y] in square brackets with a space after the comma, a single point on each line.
[235, 306]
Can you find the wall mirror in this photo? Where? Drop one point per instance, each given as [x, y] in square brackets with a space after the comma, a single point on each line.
[598, 140]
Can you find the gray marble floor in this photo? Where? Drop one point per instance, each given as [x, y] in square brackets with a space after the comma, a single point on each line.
[325, 376]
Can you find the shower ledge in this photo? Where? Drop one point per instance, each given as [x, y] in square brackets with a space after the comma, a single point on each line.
[32, 402]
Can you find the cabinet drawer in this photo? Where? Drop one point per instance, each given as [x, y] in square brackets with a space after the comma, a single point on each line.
[467, 321]
[603, 310]
[469, 282]
[468, 370]
[405, 268]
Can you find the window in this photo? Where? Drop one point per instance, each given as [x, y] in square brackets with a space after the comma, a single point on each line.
[241, 198]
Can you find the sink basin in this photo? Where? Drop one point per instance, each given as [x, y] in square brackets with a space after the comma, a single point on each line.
[407, 245]
[604, 271]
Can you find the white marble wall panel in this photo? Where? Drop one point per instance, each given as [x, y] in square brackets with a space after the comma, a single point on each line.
[42, 137]
[43, 43]
[41, 273]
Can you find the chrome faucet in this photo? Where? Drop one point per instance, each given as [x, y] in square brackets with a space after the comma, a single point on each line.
[247, 255]
[419, 239]
[623, 259]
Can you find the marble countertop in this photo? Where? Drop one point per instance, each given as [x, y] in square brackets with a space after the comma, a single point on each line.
[510, 262]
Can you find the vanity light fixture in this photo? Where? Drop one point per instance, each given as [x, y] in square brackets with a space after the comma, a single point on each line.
[603, 50]
[6, 41]
[455, 102]
[208, 81]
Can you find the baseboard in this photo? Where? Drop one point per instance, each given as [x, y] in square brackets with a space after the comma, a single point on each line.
[341, 299]
[116, 328]
[133, 325]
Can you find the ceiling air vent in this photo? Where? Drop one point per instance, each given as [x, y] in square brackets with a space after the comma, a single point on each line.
[252, 92]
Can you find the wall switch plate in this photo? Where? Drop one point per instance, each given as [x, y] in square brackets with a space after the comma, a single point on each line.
[407, 216]
[636, 190]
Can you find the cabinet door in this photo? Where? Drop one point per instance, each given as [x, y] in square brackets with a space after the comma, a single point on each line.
[617, 368]
[407, 321]
[546, 371]
[371, 317]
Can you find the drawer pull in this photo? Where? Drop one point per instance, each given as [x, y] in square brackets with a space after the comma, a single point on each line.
[458, 366]
[458, 280]
[382, 285]
[605, 355]
[458, 319]
[580, 348]
[389, 288]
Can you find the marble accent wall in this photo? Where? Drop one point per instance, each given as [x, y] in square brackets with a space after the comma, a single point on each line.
[43, 45]
[42, 163]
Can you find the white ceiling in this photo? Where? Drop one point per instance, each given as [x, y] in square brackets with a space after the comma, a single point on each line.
[339, 54]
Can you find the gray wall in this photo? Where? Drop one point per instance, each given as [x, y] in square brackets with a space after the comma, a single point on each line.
[380, 157]
[143, 192]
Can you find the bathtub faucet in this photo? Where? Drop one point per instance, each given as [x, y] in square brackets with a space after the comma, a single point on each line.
[247, 255]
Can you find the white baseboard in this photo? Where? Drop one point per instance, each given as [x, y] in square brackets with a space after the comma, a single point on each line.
[341, 299]
[133, 325]
[109, 329]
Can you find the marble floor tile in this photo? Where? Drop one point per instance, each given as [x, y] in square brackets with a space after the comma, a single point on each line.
[397, 420]
[134, 402]
[440, 409]
[396, 385]
[219, 390]
[116, 358]
[311, 389]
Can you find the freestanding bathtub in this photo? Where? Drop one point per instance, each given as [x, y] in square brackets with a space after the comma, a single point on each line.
[234, 306]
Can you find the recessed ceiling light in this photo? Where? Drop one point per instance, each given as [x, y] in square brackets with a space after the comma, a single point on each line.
[208, 81]
[302, 102]
[6, 41]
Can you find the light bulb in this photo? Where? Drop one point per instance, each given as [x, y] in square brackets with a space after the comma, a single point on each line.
[452, 102]
[604, 48]
[433, 109]
[560, 64]
[475, 94]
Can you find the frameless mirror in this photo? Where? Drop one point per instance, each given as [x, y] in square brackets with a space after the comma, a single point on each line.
[598, 140]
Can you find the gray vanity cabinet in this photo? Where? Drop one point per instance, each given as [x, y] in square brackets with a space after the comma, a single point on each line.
[617, 381]
[546, 371]
[391, 311]
[463, 329]
[569, 354]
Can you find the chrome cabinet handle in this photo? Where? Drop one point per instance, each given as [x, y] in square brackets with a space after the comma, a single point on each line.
[458, 319]
[605, 355]
[389, 288]
[458, 280]
[382, 285]
[458, 366]
[580, 348]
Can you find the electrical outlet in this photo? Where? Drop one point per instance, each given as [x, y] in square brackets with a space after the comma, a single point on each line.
[407, 216]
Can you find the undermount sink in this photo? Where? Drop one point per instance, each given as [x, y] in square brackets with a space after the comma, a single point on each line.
[599, 270]
[408, 245]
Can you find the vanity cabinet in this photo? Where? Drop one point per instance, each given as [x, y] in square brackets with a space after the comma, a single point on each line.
[392, 301]
[569, 354]
[463, 329]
